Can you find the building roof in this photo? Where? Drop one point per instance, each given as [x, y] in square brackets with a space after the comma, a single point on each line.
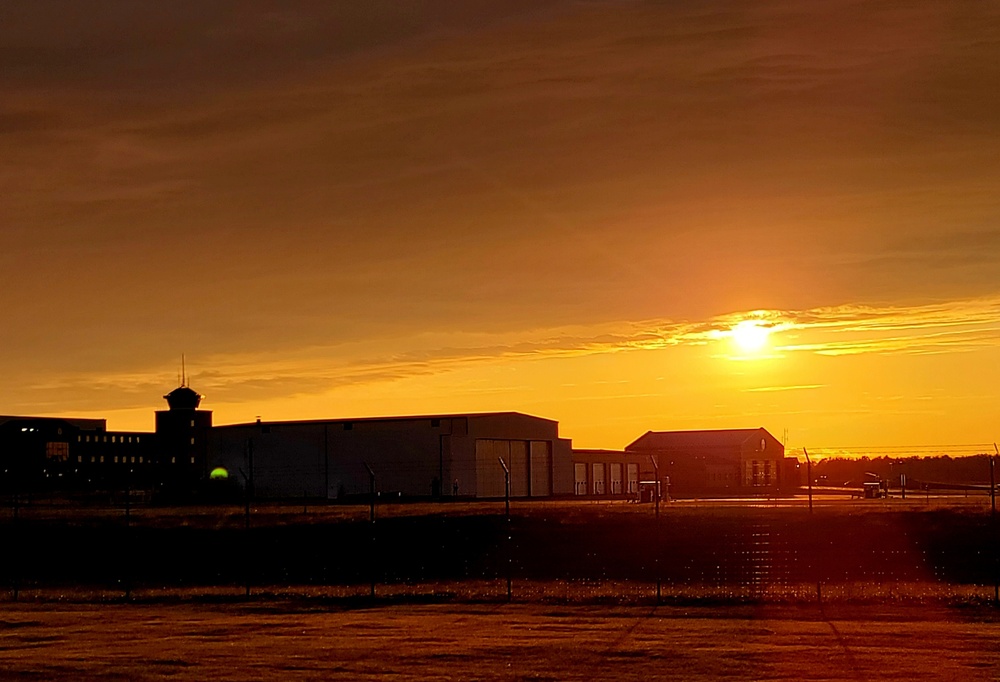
[78, 422]
[414, 417]
[183, 398]
[716, 439]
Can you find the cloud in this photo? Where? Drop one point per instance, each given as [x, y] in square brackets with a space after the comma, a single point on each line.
[772, 389]
[938, 328]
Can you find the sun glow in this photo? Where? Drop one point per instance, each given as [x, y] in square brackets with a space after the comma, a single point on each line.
[750, 336]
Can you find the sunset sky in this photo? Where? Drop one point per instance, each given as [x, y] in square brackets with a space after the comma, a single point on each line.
[359, 208]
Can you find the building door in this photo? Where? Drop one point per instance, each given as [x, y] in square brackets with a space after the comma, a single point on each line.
[580, 476]
[598, 478]
[632, 471]
[518, 464]
[616, 478]
[541, 469]
[489, 473]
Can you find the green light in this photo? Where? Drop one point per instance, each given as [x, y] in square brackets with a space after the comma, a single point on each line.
[219, 474]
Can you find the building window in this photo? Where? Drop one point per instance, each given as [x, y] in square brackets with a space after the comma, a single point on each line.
[79, 459]
[133, 459]
[92, 459]
[192, 460]
[192, 423]
[192, 441]
[116, 459]
[114, 439]
[79, 439]
[173, 460]
[140, 460]
[88, 439]
[57, 451]
[102, 459]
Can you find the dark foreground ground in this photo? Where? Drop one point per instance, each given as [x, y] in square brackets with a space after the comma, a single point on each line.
[301, 641]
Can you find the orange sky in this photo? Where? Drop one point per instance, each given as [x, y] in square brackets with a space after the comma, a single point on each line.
[361, 208]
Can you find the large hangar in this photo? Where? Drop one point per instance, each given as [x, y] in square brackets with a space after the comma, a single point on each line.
[455, 455]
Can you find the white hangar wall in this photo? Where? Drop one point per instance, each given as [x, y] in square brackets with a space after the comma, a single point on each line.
[412, 456]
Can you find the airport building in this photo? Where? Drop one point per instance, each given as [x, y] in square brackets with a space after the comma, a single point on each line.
[687, 463]
[450, 455]
[431, 456]
[453, 455]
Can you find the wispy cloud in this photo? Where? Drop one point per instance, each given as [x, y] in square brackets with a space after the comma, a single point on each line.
[944, 327]
[769, 389]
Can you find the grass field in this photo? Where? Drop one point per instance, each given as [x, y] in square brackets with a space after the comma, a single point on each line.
[294, 640]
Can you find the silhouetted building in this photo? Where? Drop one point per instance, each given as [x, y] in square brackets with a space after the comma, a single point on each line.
[437, 455]
[434, 456]
[609, 473]
[689, 463]
[182, 437]
[724, 461]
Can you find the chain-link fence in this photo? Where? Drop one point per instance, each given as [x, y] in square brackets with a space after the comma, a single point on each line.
[918, 549]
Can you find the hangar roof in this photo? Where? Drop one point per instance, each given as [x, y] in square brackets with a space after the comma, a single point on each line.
[716, 439]
[407, 417]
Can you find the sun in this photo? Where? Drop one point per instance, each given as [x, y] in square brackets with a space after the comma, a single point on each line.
[750, 335]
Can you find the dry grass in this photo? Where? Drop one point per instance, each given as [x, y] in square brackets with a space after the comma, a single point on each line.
[292, 640]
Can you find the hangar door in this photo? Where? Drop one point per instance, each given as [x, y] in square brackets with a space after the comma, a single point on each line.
[540, 468]
[489, 472]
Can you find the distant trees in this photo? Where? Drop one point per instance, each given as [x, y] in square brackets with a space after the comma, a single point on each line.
[972, 469]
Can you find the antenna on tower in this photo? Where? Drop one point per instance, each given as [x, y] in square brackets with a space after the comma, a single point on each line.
[183, 371]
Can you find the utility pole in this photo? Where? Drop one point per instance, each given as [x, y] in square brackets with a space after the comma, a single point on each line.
[506, 493]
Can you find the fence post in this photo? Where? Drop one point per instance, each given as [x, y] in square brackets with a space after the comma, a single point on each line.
[372, 564]
[993, 529]
[809, 476]
[658, 550]
[15, 527]
[506, 488]
[126, 563]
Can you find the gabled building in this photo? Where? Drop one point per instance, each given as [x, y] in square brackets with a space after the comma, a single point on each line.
[724, 461]
[687, 463]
